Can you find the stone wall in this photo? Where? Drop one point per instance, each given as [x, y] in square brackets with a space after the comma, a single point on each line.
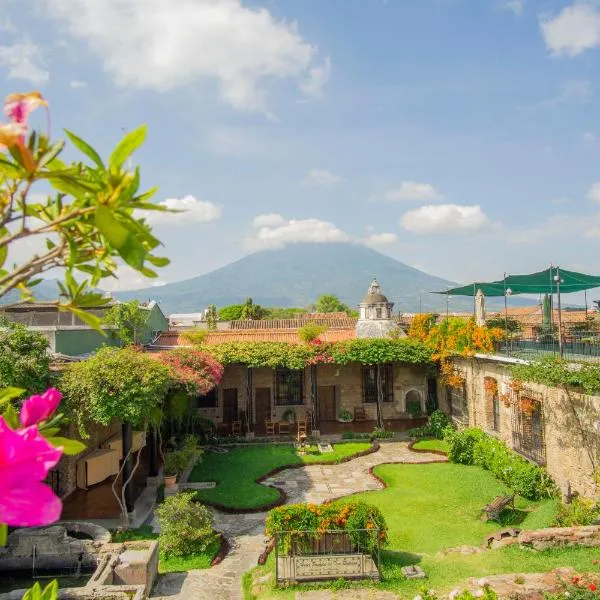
[348, 384]
[571, 421]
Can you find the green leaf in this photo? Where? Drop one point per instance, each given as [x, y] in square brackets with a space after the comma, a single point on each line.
[49, 431]
[110, 227]
[3, 534]
[89, 319]
[127, 146]
[10, 169]
[51, 154]
[86, 149]
[3, 249]
[70, 185]
[133, 253]
[70, 447]
[147, 195]
[51, 591]
[11, 417]
[158, 261]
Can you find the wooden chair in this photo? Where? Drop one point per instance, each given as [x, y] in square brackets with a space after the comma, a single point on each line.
[302, 428]
[284, 428]
[360, 414]
[270, 427]
[236, 428]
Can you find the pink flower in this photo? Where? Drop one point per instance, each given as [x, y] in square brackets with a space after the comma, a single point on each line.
[39, 408]
[25, 459]
[11, 134]
[18, 107]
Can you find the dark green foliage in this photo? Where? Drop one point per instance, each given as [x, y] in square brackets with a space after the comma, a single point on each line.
[555, 372]
[413, 408]
[24, 359]
[381, 434]
[438, 422]
[129, 319]
[233, 312]
[510, 325]
[474, 446]
[328, 303]
[581, 511]
[185, 526]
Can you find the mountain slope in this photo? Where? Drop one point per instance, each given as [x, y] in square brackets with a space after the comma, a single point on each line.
[298, 274]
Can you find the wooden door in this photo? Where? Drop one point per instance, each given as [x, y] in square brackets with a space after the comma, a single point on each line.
[327, 403]
[230, 405]
[262, 401]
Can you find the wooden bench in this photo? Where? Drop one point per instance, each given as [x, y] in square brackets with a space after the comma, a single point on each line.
[494, 508]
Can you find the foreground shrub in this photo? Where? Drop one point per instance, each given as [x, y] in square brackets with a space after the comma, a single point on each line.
[581, 511]
[381, 434]
[306, 522]
[185, 526]
[475, 447]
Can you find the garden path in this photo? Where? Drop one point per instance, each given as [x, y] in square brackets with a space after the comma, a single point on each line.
[245, 532]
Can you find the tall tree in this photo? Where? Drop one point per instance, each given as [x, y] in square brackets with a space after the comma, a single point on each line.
[129, 318]
[212, 317]
[251, 311]
[328, 303]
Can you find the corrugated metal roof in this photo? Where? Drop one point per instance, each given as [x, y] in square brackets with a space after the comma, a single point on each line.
[290, 336]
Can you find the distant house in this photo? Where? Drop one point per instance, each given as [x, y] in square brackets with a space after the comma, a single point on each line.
[68, 335]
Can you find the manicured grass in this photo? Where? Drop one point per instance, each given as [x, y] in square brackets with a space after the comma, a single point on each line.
[236, 471]
[439, 445]
[174, 564]
[432, 507]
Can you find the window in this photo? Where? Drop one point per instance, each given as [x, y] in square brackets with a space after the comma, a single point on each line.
[496, 409]
[208, 400]
[459, 407]
[528, 427]
[289, 387]
[379, 313]
[412, 402]
[370, 383]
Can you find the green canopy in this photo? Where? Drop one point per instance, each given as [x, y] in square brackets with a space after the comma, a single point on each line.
[542, 282]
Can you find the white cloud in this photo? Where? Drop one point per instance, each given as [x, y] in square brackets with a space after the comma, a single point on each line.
[76, 84]
[321, 177]
[22, 61]
[573, 31]
[269, 220]
[148, 44]
[194, 211]
[444, 218]
[589, 136]
[561, 200]
[292, 231]
[7, 25]
[516, 6]
[317, 79]
[555, 227]
[411, 190]
[594, 192]
[381, 239]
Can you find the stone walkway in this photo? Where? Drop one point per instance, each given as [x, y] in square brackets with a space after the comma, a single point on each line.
[245, 533]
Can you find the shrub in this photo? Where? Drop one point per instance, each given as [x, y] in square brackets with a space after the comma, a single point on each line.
[438, 422]
[581, 511]
[578, 587]
[381, 434]
[306, 522]
[348, 435]
[475, 447]
[175, 462]
[185, 526]
[345, 415]
[413, 408]
[190, 449]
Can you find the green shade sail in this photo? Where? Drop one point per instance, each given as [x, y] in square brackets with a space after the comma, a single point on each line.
[542, 282]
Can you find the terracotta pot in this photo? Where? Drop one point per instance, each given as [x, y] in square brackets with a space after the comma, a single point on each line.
[170, 481]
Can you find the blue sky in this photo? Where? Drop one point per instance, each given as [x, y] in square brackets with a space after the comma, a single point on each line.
[459, 136]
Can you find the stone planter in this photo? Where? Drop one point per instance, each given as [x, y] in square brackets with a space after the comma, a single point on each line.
[170, 481]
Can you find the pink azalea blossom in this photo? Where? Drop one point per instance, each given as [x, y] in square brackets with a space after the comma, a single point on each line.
[39, 408]
[25, 459]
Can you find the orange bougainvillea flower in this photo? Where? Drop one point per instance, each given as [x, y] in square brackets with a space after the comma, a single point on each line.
[18, 107]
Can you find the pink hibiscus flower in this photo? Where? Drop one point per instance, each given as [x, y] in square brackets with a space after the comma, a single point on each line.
[38, 408]
[25, 459]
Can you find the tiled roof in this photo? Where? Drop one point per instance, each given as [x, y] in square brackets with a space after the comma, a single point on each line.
[332, 320]
[174, 338]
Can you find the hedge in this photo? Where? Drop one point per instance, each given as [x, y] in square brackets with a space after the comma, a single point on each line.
[475, 447]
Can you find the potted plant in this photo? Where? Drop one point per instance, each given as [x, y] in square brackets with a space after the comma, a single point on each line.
[289, 415]
[175, 462]
[345, 416]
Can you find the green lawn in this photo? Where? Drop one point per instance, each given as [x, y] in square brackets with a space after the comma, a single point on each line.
[237, 470]
[439, 445]
[173, 564]
[431, 507]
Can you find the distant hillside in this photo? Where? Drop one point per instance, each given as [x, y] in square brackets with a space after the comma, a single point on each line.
[298, 274]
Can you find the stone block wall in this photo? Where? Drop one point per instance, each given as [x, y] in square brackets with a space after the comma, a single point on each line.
[347, 381]
[571, 422]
